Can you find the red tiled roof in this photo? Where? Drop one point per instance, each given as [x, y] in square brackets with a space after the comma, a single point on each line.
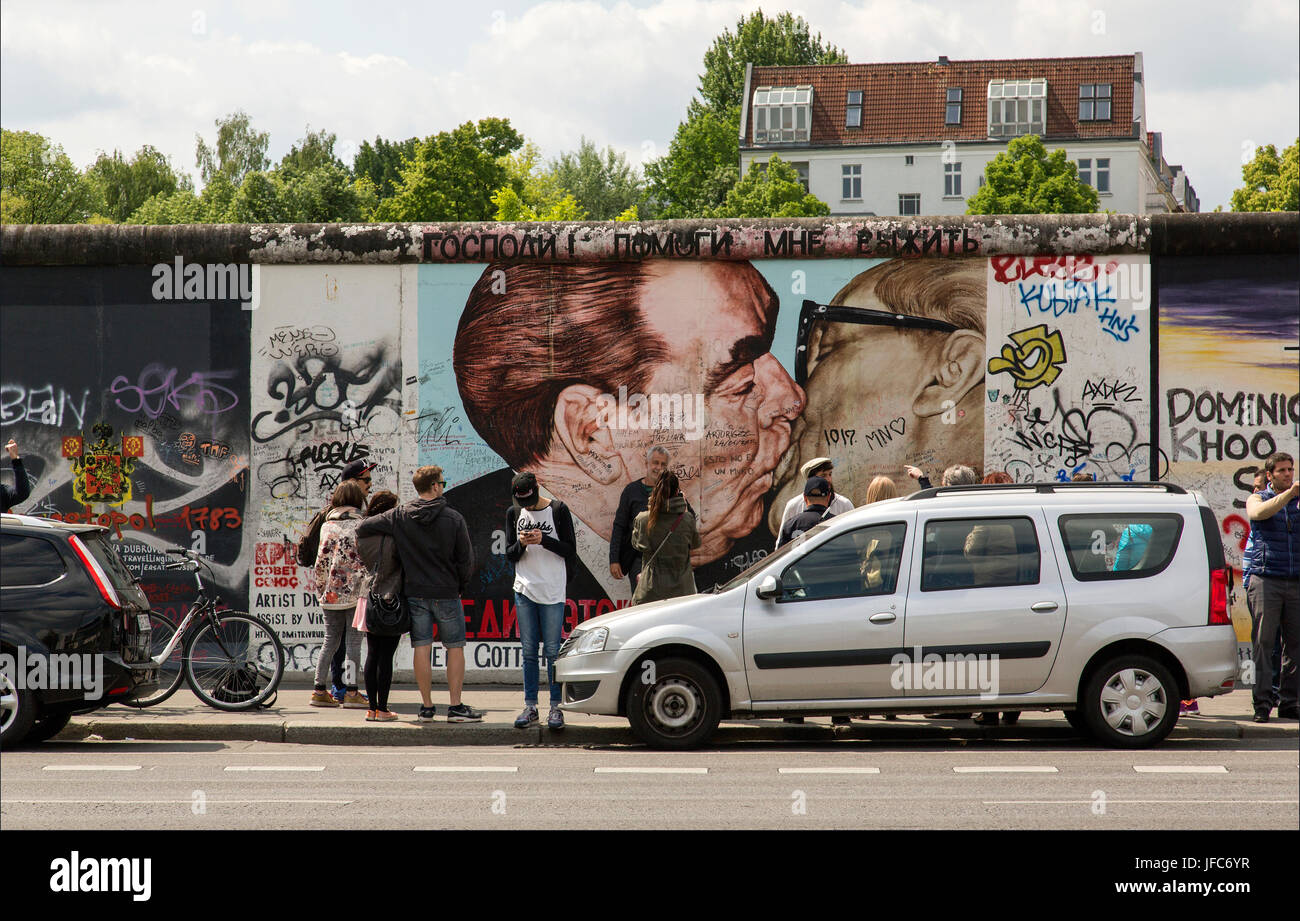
[904, 103]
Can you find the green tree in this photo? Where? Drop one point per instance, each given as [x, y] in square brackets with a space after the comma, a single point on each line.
[1272, 182]
[702, 163]
[771, 189]
[783, 40]
[259, 200]
[39, 183]
[314, 150]
[454, 174]
[323, 194]
[382, 163]
[179, 207]
[604, 184]
[530, 194]
[1026, 179]
[121, 186]
[238, 150]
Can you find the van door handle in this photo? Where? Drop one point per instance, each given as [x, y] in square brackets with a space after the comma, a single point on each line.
[884, 617]
[1044, 607]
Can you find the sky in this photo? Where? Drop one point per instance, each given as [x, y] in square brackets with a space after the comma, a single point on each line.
[1221, 78]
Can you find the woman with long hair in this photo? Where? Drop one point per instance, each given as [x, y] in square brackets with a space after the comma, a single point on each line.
[881, 487]
[385, 579]
[665, 533]
[341, 577]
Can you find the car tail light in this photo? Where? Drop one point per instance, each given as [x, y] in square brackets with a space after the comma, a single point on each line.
[96, 571]
[1219, 597]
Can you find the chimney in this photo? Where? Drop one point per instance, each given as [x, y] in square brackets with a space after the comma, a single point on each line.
[943, 59]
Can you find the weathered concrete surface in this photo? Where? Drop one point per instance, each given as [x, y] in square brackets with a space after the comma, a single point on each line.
[1179, 234]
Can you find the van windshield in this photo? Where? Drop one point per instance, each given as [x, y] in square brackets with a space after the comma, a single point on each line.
[776, 555]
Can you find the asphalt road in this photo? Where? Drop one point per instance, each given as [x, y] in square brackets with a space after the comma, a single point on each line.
[1193, 784]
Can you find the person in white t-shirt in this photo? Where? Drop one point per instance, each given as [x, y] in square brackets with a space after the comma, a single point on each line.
[823, 467]
[542, 543]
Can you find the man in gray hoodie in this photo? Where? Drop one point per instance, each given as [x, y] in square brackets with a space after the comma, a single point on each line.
[433, 545]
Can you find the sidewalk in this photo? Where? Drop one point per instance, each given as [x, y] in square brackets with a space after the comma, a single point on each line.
[184, 718]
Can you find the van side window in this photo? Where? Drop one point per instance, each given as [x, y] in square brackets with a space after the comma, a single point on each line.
[979, 553]
[29, 561]
[854, 564]
[1119, 546]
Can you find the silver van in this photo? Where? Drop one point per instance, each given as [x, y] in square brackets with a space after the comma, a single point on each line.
[1107, 601]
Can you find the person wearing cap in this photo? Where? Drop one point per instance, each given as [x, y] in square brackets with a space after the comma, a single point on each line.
[822, 467]
[437, 561]
[22, 488]
[358, 470]
[542, 543]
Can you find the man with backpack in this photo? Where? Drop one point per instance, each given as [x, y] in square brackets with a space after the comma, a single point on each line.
[816, 498]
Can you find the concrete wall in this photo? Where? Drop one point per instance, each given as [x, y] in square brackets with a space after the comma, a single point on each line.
[246, 365]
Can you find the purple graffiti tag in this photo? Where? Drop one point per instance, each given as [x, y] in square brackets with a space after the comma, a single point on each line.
[156, 390]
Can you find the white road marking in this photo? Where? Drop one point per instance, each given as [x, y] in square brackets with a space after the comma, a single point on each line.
[652, 770]
[829, 770]
[456, 769]
[273, 767]
[1007, 769]
[91, 767]
[161, 802]
[1180, 769]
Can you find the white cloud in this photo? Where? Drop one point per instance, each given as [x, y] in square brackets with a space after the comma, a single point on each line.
[97, 76]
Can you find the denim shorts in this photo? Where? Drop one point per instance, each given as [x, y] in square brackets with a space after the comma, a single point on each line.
[451, 622]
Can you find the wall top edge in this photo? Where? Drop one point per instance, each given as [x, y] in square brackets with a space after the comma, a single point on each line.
[797, 238]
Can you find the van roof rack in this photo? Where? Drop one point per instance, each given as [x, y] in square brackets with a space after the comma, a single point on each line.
[1042, 488]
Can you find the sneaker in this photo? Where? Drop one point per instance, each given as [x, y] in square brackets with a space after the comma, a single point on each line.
[464, 713]
[555, 721]
[380, 716]
[355, 700]
[1261, 715]
[338, 693]
[1291, 712]
[427, 714]
[323, 699]
[527, 719]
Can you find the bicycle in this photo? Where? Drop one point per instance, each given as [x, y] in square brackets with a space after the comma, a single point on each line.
[232, 660]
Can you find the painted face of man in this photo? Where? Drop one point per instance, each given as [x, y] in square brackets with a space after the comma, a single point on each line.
[717, 321]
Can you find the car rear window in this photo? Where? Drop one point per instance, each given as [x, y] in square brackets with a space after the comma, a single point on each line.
[1116, 545]
[26, 560]
[118, 573]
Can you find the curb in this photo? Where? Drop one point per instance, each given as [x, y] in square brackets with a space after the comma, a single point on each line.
[302, 732]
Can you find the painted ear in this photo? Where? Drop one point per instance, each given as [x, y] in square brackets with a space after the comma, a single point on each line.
[582, 421]
[958, 368]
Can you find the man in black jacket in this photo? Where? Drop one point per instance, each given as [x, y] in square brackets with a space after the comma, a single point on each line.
[433, 544]
[22, 489]
[624, 559]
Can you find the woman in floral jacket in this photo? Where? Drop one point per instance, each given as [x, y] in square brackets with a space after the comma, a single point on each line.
[341, 578]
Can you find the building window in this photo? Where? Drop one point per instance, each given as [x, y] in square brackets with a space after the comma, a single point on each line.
[1085, 171]
[782, 114]
[909, 203]
[1103, 174]
[851, 178]
[908, 160]
[952, 179]
[1094, 102]
[853, 110]
[952, 107]
[1017, 107]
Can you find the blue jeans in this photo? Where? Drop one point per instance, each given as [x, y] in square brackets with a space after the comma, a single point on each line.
[539, 623]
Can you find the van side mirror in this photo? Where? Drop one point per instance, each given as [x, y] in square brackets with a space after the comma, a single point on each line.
[768, 587]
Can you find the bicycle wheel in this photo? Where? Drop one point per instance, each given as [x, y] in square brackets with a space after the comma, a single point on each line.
[226, 661]
[170, 672]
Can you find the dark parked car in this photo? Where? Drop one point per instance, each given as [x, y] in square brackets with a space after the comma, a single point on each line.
[74, 627]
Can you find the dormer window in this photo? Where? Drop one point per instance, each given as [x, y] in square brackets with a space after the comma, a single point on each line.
[1017, 107]
[853, 110]
[782, 114]
[1094, 102]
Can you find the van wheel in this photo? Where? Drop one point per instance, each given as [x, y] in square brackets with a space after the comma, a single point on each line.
[17, 711]
[1130, 702]
[47, 727]
[1075, 719]
[678, 709]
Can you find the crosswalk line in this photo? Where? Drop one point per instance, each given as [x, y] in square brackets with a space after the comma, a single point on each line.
[91, 767]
